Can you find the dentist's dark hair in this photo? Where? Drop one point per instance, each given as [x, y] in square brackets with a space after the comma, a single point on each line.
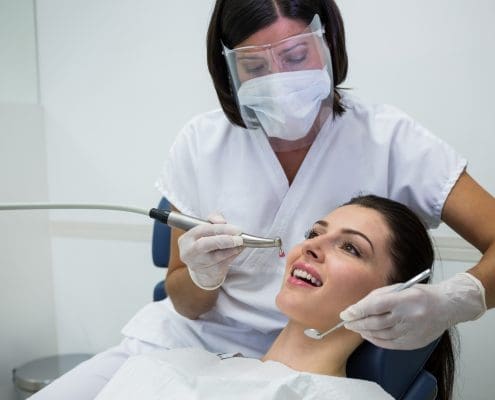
[233, 21]
[412, 252]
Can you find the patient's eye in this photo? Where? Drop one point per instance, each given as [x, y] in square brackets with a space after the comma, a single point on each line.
[350, 248]
[310, 234]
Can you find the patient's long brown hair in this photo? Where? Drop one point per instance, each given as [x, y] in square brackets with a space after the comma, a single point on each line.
[412, 252]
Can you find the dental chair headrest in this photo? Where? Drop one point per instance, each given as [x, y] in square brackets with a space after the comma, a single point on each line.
[394, 370]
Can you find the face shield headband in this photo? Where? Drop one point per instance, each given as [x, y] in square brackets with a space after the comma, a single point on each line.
[281, 87]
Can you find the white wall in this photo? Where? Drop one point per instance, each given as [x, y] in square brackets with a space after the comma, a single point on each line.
[433, 59]
[119, 79]
[26, 283]
[18, 75]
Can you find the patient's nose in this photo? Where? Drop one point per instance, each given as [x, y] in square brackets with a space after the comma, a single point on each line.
[311, 248]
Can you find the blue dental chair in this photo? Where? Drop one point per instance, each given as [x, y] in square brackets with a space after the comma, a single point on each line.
[160, 249]
[400, 372]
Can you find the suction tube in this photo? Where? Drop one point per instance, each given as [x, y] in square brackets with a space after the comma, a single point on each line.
[170, 218]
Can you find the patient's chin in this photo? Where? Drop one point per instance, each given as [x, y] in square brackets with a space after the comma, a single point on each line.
[287, 304]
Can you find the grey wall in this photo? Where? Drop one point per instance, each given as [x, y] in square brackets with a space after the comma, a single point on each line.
[27, 309]
[27, 312]
[18, 76]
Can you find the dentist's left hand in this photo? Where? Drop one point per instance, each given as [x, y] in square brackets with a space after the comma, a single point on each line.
[415, 317]
[209, 249]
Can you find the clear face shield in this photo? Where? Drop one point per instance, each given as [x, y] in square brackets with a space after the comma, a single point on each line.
[285, 88]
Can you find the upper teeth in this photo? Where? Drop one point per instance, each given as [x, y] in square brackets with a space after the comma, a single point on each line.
[299, 273]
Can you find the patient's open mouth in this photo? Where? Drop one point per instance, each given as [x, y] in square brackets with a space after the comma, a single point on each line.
[306, 276]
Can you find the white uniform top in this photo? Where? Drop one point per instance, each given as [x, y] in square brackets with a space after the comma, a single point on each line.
[196, 374]
[215, 166]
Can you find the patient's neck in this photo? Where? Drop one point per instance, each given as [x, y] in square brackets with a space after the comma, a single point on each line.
[325, 356]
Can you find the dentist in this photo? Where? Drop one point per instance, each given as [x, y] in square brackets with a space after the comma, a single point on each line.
[288, 133]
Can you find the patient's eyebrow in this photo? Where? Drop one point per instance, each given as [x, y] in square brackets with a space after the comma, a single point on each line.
[353, 232]
[348, 231]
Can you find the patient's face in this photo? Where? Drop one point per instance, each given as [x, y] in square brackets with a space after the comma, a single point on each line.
[347, 256]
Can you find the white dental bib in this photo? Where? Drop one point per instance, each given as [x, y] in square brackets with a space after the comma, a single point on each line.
[196, 374]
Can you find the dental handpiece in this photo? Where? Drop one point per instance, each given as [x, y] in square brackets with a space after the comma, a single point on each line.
[171, 218]
[186, 222]
[316, 334]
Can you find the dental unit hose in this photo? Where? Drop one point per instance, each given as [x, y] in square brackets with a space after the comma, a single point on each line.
[171, 218]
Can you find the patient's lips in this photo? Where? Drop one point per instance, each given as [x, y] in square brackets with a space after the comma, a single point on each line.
[303, 274]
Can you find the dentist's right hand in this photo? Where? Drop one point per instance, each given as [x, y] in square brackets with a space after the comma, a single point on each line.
[209, 249]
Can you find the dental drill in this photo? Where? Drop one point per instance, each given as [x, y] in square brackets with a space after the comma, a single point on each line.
[186, 222]
[316, 334]
[171, 218]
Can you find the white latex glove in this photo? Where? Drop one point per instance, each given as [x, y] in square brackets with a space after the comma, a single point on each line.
[208, 251]
[415, 317]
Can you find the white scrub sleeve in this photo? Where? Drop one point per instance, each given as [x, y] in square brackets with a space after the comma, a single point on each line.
[423, 169]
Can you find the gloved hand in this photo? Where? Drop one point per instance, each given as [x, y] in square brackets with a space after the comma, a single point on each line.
[414, 317]
[208, 251]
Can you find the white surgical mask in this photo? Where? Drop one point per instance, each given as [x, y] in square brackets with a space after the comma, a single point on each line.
[286, 104]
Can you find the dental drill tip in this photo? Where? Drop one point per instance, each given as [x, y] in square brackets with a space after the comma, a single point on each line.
[278, 243]
[257, 241]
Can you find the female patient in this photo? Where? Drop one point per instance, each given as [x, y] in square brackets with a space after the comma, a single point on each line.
[367, 243]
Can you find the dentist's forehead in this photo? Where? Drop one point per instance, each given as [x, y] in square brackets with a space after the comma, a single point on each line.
[281, 29]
